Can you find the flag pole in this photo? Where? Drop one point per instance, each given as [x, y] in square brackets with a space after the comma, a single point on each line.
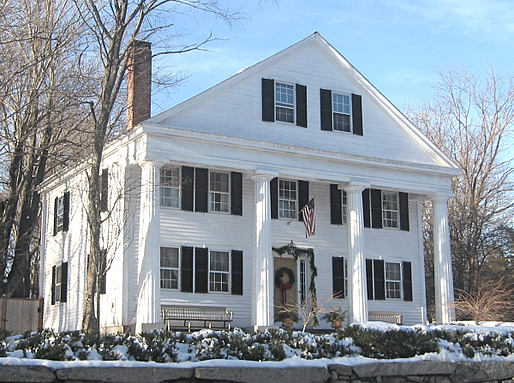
[296, 215]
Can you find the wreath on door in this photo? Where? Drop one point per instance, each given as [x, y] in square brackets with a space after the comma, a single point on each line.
[281, 283]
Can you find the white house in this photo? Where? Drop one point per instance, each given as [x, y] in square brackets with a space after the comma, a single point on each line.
[204, 199]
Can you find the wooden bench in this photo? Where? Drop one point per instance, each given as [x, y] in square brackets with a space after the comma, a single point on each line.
[385, 317]
[196, 317]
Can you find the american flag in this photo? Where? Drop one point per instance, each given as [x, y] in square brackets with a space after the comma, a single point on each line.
[309, 218]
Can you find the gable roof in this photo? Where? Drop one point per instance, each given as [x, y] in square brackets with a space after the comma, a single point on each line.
[340, 61]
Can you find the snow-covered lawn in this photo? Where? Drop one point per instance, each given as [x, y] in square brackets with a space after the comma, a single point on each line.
[365, 343]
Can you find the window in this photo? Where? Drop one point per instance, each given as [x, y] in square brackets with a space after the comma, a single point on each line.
[284, 102]
[219, 191]
[390, 209]
[203, 272]
[219, 271]
[339, 277]
[389, 280]
[170, 187]
[341, 112]
[287, 197]
[385, 209]
[61, 213]
[59, 283]
[169, 268]
[201, 190]
[393, 280]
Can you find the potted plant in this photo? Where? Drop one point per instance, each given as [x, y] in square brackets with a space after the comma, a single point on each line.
[336, 317]
[288, 318]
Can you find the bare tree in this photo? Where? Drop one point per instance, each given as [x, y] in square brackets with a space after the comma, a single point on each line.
[470, 119]
[38, 110]
[114, 27]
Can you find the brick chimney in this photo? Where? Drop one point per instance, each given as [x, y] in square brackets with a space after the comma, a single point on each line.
[139, 83]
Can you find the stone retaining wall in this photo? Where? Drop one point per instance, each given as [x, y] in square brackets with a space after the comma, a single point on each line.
[379, 372]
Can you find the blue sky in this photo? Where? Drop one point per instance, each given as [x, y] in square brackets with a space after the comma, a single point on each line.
[396, 44]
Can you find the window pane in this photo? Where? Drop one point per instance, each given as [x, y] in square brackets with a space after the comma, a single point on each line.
[169, 267]
[287, 195]
[390, 213]
[219, 191]
[284, 102]
[219, 268]
[170, 187]
[393, 280]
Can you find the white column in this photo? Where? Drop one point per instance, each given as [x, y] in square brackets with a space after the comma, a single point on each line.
[357, 288]
[262, 287]
[443, 274]
[149, 300]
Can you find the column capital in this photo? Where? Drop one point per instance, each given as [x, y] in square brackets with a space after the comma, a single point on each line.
[264, 174]
[356, 186]
[440, 197]
[149, 162]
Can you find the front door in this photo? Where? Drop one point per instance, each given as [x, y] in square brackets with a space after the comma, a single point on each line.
[285, 283]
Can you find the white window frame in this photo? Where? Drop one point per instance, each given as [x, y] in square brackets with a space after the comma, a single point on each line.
[390, 210]
[213, 281]
[393, 285]
[219, 200]
[170, 269]
[170, 186]
[60, 213]
[57, 287]
[287, 205]
[341, 109]
[285, 105]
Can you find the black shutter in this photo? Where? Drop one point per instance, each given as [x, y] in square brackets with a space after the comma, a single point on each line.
[186, 270]
[104, 197]
[326, 109]
[338, 277]
[64, 282]
[236, 193]
[369, 278]
[303, 197]
[102, 275]
[187, 183]
[268, 100]
[407, 281]
[376, 208]
[336, 205]
[404, 211]
[201, 270]
[202, 190]
[56, 207]
[301, 105]
[366, 207]
[52, 298]
[237, 272]
[66, 216]
[274, 198]
[379, 280]
[357, 114]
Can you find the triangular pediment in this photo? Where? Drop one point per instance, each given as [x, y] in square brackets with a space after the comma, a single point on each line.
[234, 108]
